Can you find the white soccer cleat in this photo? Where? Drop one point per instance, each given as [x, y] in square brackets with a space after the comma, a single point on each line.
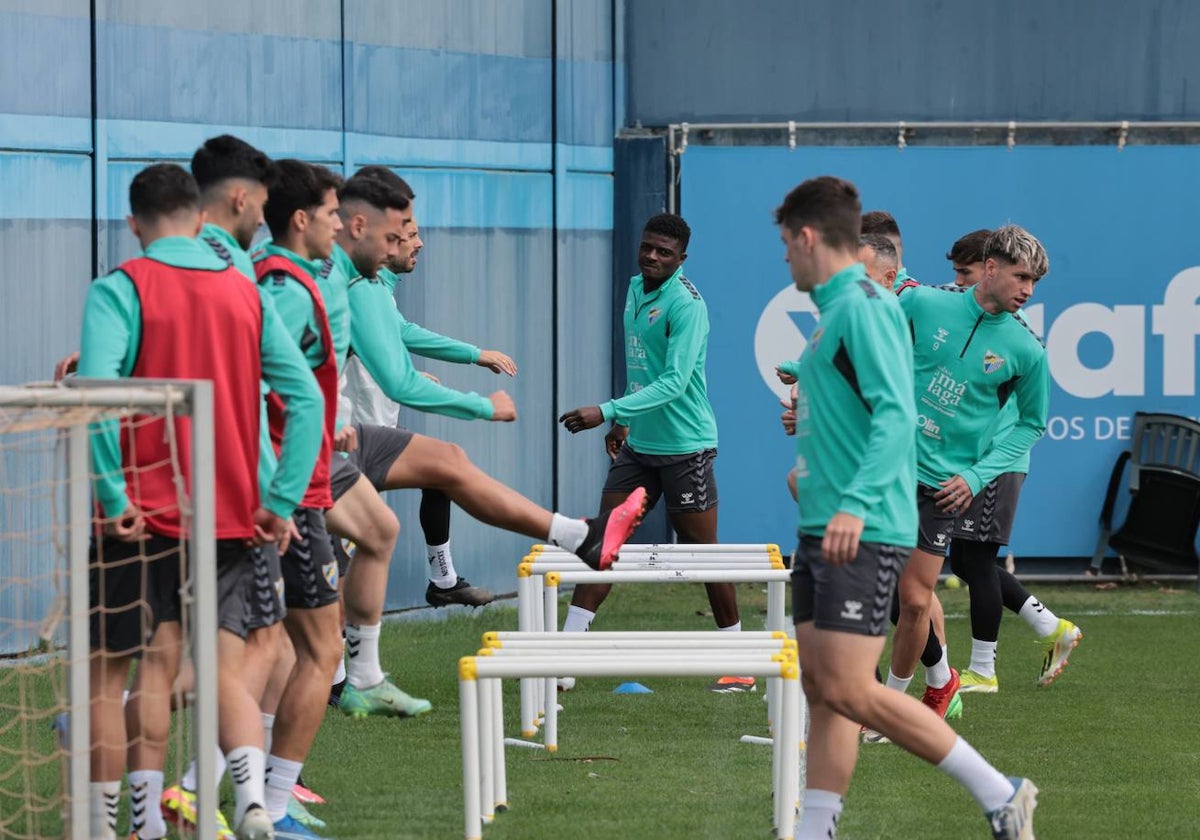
[1014, 819]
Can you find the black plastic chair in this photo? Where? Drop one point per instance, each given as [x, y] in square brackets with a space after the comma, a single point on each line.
[1159, 531]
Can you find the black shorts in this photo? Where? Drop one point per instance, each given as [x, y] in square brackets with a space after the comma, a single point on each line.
[343, 474]
[266, 602]
[378, 449]
[855, 598]
[688, 481]
[989, 518]
[310, 571]
[135, 587]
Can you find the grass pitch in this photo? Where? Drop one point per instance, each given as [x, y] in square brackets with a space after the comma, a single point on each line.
[1110, 745]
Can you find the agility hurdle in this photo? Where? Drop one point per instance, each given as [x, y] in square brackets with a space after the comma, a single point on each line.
[664, 564]
[484, 775]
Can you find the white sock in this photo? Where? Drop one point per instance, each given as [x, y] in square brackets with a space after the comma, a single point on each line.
[145, 813]
[362, 655]
[104, 800]
[985, 783]
[103, 803]
[247, 768]
[188, 782]
[1036, 615]
[898, 683]
[340, 674]
[822, 809]
[983, 657]
[441, 566]
[937, 675]
[567, 533]
[732, 628]
[281, 778]
[268, 731]
[578, 620]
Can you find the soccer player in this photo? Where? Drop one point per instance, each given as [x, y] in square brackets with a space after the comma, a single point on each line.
[856, 453]
[883, 223]
[302, 214]
[370, 406]
[993, 588]
[966, 257]
[375, 217]
[664, 432]
[973, 354]
[233, 178]
[179, 311]
[879, 257]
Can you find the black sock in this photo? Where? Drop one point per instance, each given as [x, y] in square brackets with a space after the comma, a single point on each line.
[435, 517]
[1012, 592]
[975, 563]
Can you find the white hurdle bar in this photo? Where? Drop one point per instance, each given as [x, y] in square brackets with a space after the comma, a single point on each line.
[776, 580]
[532, 612]
[630, 549]
[484, 777]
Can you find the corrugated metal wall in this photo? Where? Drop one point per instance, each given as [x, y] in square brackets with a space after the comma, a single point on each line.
[499, 112]
[819, 60]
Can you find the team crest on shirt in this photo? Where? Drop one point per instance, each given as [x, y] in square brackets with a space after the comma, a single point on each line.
[330, 570]
[816, 338]
[992, 362]
[654, 313]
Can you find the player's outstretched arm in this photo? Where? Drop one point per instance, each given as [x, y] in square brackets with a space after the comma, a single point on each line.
[689, 331]
[376, 334]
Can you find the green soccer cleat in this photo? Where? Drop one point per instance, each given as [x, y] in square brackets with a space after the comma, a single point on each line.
[954, 711]
[1056, 648]
[975, 683]
[297, 811]
[384, 699]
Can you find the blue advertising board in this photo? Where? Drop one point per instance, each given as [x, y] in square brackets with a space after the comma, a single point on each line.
[1118, 311]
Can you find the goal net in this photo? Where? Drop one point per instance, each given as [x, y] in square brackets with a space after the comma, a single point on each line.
[75, 622]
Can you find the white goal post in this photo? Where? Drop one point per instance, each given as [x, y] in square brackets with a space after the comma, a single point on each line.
[65, 412]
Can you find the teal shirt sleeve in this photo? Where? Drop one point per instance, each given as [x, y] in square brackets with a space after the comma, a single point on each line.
[111, 333]
[377, 337]
[432, 345]
[1032, 393]
[791, 367]
[888, 392]
[288, 374]
[689, 330]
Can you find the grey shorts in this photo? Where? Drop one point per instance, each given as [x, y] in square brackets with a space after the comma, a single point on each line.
[310, 571]
[343, 474]
[989, 517]
[855, 598]
[378, 449]
[688, 481]
[266, 603]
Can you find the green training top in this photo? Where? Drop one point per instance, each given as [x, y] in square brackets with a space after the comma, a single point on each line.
[377, 338]
[112, 334]
[295, 305]
[666, 340]
[425, 342]
[967, 364]
[855, 451]
[222, 242]
[335, 291]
